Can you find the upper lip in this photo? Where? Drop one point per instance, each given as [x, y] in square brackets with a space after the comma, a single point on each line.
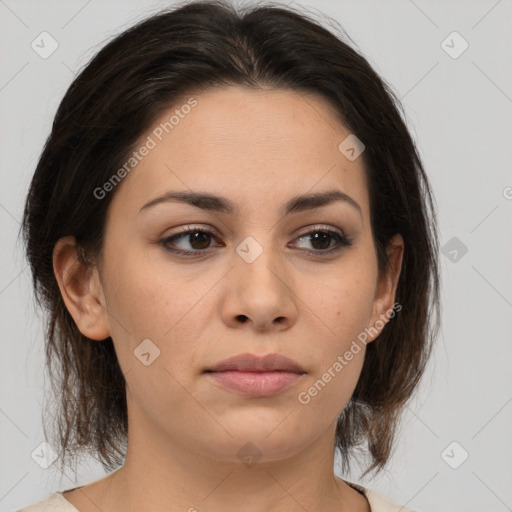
[254, 363]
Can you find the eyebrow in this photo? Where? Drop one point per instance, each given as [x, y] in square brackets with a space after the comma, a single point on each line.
[219, 204]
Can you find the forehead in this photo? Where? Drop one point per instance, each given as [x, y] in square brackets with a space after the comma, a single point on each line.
[250, 145]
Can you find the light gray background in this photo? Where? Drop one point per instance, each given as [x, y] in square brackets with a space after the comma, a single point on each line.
[459, 111]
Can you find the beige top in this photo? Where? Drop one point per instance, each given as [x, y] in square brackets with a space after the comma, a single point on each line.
[57, 503]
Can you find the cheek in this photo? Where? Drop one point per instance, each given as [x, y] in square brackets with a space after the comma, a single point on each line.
[325, 395]
[343, 309]
[160, 304]
[342, 302]
[150, 299]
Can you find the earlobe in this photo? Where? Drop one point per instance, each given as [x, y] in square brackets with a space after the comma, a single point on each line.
[81, 290]
[386, 288]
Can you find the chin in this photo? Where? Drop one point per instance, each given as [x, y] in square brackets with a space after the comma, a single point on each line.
[251, 444]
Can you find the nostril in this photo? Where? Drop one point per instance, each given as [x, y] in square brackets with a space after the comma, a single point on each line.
[242, 318]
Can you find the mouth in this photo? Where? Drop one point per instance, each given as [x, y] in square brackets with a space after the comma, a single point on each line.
[255, 363]
[256, 376]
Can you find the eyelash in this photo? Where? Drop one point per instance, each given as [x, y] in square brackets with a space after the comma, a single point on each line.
[342, 241]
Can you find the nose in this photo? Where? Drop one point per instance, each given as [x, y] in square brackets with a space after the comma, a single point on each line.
[260, 292]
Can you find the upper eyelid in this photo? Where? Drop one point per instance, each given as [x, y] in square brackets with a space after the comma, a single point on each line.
[304, 231]
[321, 227]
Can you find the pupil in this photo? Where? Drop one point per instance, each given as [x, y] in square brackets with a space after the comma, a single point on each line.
[324, 236]
[197, 237]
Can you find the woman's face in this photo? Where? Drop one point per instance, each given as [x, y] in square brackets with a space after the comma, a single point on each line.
[257, 279]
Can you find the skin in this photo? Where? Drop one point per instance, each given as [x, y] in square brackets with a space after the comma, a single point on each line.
[258, 149]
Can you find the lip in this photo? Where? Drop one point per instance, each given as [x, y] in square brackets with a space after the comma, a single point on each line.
[255, 383]
[256, 376]
[254, 363]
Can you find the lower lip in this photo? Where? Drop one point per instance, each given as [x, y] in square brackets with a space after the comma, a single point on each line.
[256, 383]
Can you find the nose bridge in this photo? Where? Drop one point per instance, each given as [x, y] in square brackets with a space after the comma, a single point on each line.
[259, 290]
[259, 260]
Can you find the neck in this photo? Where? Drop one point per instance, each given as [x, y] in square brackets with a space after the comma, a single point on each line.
[159, 473]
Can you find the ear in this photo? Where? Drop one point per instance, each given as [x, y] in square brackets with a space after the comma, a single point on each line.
[386, 288]
[81, 290]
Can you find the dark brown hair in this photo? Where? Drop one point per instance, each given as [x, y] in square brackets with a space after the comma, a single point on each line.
[115, 99]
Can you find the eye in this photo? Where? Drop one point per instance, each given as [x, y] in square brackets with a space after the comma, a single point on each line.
[325, 241]
[198, 238]
[321, 239]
